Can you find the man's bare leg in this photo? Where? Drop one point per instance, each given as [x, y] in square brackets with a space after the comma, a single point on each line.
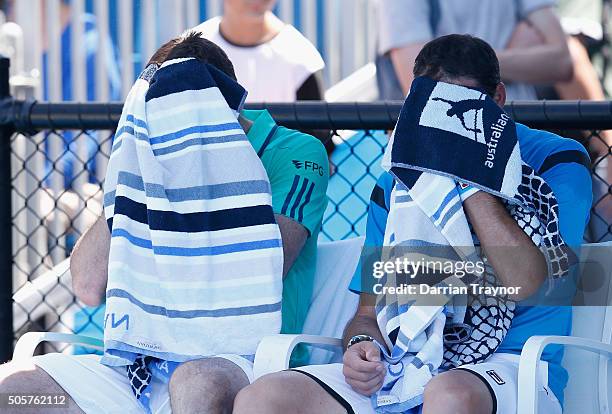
[206, 386]
[457, 392]
[286, 392]
[26, 378]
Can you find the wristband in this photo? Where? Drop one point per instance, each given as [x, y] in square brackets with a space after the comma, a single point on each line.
[359, 338]
[466, 190]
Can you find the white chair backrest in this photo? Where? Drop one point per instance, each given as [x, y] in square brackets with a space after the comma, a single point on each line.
[589, 389]
[332, 304]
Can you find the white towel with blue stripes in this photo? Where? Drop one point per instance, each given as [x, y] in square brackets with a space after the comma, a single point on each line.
[195, 265]
[448, 135]
[423, 225]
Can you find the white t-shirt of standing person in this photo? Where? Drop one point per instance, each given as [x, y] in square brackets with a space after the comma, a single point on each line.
[282, 69]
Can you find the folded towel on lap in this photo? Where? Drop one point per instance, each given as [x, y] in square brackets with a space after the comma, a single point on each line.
[195, 265]
[449, 143]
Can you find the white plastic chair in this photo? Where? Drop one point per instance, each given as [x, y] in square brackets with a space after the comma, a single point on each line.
[589, 389]
[332, 305]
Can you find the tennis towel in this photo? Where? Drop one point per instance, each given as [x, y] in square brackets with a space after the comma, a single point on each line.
[449, 143]
[195, 265]
[420, 230]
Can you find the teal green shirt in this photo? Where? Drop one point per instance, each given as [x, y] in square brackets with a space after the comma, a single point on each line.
[298, 170]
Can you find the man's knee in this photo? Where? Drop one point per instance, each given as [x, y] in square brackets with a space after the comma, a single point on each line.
[285, 392]
[213, 382]
[459, 390]
[23, 377]
[267, 394]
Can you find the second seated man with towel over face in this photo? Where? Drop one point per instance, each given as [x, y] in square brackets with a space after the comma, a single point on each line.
[460, 173]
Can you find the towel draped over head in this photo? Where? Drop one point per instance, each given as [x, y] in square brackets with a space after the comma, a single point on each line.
[195, 264]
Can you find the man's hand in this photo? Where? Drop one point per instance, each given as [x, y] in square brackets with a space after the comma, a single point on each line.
[363, 369]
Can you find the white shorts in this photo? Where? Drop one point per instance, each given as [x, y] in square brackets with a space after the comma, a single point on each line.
[97, 388]
[499, 372]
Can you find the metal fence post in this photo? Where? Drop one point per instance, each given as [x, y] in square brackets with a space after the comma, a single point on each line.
[6, 231]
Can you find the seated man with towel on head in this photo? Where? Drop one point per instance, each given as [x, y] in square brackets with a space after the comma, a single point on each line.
[460, 174]
[209, 228]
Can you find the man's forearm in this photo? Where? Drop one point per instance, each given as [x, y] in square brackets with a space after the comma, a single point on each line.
[89, 264]
[536, 64]
[516, 260]
[403, 63]
[537, 52]
[363, 323]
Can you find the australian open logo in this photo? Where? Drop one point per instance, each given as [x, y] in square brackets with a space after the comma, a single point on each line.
[455, 109]
[464, 109]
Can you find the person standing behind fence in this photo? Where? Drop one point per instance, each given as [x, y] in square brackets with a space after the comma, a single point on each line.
[91, 44]
[273, 60]
[406, 25]
[70, 162]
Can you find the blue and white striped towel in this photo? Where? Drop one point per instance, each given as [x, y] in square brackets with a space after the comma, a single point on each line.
[422, 226]
[195, 265]
[448, 134]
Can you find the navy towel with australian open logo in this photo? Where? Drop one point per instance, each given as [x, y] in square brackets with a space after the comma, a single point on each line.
[435, 118]
[461, 133]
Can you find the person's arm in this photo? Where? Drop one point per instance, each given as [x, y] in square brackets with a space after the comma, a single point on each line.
[294, 237]
[298, 178]
[403, 62]
[586, 85]
[89, 263]
[543, 62]
[89, 259]
[363, 281]
[516, 260]
[403, 29]
[362, 366]
[570, 179]
[364, 322]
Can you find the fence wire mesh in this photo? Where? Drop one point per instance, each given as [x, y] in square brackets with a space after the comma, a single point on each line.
[57, 180]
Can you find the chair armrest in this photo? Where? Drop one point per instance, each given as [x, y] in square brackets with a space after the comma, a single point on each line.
[274, 351]
[530, 359]
[26, 345]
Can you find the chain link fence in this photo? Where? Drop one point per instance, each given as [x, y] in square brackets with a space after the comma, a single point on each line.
[58, 155]
[56, 177]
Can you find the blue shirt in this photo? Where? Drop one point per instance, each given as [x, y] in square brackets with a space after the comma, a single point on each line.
[564, 164]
